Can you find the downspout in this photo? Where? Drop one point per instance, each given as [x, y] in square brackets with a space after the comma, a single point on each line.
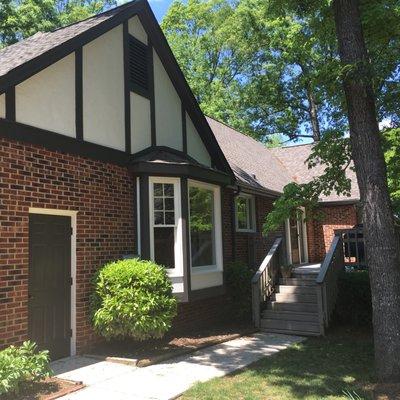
[236, 192]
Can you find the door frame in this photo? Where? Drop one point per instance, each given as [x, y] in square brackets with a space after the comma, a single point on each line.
[73, 216]
[304, 248]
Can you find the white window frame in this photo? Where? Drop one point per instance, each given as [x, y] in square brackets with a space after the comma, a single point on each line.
[218, 266]
[178, 234]
[251, 219]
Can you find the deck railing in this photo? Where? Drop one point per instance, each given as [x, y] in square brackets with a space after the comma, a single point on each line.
[265, 279]
[353, 245]
[327, 281]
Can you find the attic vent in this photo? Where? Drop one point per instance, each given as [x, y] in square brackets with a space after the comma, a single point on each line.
[138, 66]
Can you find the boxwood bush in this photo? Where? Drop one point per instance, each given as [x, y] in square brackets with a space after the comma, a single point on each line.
[23, 364]
[353, 305]
[132, 299]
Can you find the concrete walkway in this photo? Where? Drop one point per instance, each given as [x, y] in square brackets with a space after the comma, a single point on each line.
[111, 381]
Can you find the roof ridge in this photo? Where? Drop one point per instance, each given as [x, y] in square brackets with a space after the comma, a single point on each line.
[294, 145]
[112, 9]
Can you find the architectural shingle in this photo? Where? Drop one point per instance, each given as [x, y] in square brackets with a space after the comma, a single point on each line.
[252, 163]
[26, 50]
[294, 159]
[259, 167]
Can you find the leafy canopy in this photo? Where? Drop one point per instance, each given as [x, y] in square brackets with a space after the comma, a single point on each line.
[271, 66]
[20, 19]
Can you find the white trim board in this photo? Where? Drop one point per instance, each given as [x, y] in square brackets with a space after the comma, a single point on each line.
[73, 215]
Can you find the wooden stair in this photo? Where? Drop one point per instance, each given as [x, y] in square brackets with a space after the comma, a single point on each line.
[293, 308]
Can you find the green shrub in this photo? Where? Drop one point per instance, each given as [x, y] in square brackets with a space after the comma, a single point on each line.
[132, 299]
[238, 281]
[19, 365]
[353, 305]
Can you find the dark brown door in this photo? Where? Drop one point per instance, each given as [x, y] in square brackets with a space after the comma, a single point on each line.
[49, 284]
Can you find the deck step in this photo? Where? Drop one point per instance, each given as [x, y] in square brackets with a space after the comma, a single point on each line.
[298, 326]
[290, 332]
[291, 315]
[291, 306]
[295, 297]
[304, 275]
[297, 282]
[296, 289]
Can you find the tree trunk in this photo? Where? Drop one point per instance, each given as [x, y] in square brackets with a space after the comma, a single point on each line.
[313, 113]
[381, 240]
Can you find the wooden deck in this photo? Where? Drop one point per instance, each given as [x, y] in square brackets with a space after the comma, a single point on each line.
[312, 268]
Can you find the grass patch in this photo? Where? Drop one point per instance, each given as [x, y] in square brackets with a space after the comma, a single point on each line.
[319, 368]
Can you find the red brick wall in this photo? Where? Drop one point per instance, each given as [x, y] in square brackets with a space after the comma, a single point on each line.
[103, 194]
[255, 242]
[200, 314]
[320, 232]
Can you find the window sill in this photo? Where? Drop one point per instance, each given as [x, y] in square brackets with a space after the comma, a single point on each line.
[205, 269]
[174, 274]
[246, 231]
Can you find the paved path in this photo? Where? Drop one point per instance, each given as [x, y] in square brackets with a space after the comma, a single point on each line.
[111, 381]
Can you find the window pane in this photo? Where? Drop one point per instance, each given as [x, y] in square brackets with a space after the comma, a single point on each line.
[158, 218]
[168, 189]
[158, 203]
[251, 213]
[169, 218]
[241, 212]
[202, 226]
[164, 241]
[158, 189]
[169, 204]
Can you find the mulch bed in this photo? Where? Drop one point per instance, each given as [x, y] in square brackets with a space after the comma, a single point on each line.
[144, 353]
[387, 391]
[47, 389]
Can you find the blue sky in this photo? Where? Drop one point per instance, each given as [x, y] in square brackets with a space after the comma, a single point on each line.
[160, 7]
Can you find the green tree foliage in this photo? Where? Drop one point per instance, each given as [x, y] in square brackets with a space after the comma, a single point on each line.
[262, 72]
[271, 66]
[213, 61]
[391, 145]
[132, 299]
[20, 19]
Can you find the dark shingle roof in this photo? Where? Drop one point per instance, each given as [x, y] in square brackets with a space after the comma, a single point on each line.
[251, 162]
[26, 50]
[267, 169]
[294, 159]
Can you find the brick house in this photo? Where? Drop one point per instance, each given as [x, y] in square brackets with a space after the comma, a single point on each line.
[105, 154]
